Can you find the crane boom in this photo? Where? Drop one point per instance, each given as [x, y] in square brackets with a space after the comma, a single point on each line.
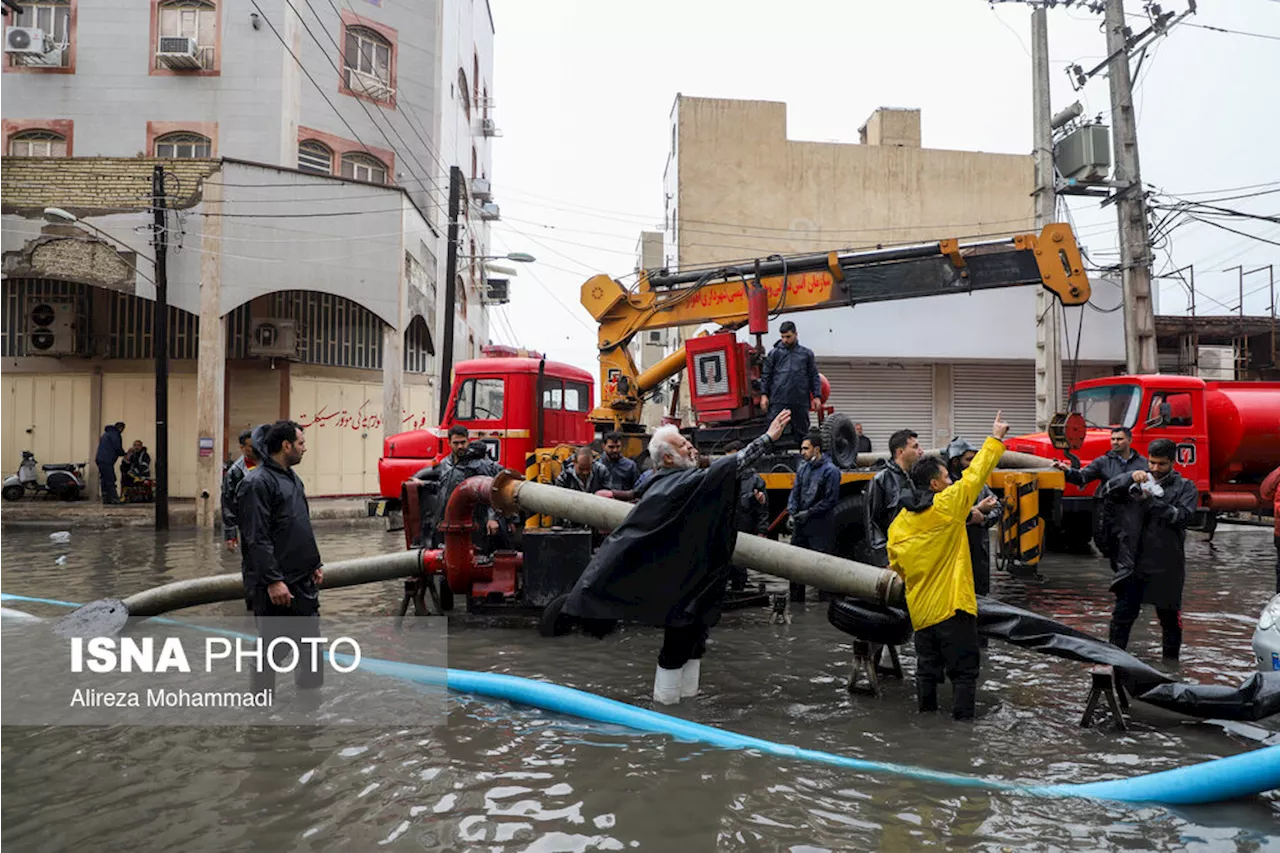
[808, 283]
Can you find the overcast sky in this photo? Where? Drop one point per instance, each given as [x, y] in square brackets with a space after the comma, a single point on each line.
[584, 91]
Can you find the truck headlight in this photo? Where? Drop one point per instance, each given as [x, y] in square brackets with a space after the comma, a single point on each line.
[1270, 615]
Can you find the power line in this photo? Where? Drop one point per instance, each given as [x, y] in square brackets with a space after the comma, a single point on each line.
[1233, 32]
[1234, 231]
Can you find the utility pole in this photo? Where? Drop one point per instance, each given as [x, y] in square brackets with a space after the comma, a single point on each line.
[1135, 242]
[160, 342]
[450, 288]
[1048, 329]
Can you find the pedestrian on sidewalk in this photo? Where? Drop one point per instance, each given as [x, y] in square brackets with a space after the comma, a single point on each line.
[110, 448]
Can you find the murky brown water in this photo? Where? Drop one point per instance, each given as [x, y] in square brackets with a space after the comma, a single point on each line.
[497, 777]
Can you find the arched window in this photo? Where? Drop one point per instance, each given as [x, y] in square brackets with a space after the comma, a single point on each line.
[315, 157]
[418, 347]
[362, 167]
[464, 93]
[368, 64]
[183, 146]
[191, 19]
[37, 143]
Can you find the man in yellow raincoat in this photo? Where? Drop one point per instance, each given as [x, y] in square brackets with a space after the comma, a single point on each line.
[929, 548]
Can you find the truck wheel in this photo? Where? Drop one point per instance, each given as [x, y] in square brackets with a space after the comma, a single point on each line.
[12, 493]
[553, 623]
[847, 517]
[839, 441]
[875, 623]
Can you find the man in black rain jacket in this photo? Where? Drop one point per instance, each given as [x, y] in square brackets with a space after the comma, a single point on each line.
[1121, 459]
[887, 491]
[667, 563]
[282, 563]
[1154, 509]
[789, 380]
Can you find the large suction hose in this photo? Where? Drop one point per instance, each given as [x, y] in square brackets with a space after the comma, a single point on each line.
[833, 574]
[1010, 459]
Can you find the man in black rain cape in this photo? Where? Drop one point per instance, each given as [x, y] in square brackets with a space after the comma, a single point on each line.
[668, 562]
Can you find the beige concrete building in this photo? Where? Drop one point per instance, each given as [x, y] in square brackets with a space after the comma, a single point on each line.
[737, 187]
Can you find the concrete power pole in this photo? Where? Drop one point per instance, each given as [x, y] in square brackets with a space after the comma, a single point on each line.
[1135, 242]
[1048, 329]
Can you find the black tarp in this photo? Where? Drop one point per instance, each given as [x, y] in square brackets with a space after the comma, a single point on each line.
[1257, 697]
[668, 560]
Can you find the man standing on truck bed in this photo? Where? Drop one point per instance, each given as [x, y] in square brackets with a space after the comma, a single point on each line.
[1120, 460]
[789, 380]
[884, 498]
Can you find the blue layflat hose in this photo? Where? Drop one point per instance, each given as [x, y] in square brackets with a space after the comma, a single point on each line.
[1212, 781]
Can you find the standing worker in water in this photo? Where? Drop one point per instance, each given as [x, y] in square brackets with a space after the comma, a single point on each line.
[929, 548]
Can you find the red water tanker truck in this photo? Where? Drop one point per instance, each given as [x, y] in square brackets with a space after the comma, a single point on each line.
[1227, 435]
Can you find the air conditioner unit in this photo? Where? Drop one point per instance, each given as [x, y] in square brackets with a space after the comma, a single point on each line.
[26, 41]
[51, 327]
[272, 337]
[179, 53]
[368, 84]
[489, 212]
[497, 291]
[488, 127]
[480, 189]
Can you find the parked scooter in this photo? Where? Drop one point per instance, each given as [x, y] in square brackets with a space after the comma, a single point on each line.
[64, 479]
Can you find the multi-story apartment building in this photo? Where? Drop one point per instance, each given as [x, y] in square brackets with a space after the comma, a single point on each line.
[307, 148]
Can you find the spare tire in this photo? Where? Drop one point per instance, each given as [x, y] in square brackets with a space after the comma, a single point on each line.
[875, 623]
[839, 441]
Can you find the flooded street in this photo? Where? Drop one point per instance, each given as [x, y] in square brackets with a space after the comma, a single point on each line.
[499, 777]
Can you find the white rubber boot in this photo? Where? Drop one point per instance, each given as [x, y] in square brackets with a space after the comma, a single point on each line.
[689, 678]
[666, 686]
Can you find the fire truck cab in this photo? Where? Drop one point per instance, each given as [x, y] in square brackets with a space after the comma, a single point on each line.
[512, 400]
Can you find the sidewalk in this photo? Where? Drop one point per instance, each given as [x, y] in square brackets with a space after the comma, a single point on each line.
[91, 515]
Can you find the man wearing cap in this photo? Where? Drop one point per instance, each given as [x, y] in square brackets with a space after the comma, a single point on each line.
[789, 380]
[984, 515]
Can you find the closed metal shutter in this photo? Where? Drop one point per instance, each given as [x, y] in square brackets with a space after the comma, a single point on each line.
[979, 390]
[884, 399]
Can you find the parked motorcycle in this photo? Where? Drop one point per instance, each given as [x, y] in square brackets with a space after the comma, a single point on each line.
[64, 479]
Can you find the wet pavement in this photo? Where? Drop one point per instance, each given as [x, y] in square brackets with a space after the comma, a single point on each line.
[498, 777]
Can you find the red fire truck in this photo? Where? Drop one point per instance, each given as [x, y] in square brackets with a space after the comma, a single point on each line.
[1227, 435]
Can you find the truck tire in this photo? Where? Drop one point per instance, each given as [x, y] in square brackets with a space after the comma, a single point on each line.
[839, 441]
[12, 493]
[553, 623]
[874, 623]
[850, 533]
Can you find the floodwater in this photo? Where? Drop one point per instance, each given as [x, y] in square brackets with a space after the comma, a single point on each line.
[499, 777]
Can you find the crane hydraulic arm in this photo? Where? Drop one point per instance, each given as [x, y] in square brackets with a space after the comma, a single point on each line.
[732, 295]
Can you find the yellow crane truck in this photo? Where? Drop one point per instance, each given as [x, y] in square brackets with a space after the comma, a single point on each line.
[724, 371]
